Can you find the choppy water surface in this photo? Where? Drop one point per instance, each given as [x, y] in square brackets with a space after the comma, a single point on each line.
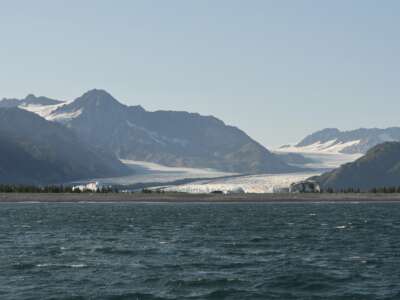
[200, 251]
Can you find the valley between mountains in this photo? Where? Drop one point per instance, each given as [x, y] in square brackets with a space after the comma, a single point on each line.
[97, 137]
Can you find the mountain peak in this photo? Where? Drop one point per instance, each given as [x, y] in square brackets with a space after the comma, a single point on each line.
[95, 100]
[323, 135]
[329, 130]
[98, 93]
[30, 97]
[97, 97]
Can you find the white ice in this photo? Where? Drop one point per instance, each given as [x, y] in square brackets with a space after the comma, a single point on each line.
[264, 183]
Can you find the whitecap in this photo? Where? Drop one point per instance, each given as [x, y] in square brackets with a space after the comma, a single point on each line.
[77, 266]
[43, 265]
[355, 257]
[61, 265]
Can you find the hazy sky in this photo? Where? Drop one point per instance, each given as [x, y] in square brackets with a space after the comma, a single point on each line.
[277, 69]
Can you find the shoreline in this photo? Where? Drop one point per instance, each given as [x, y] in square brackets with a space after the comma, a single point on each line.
[192, 198]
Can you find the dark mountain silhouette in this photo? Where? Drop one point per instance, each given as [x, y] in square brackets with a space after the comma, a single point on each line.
[36, 151]
[380, 167]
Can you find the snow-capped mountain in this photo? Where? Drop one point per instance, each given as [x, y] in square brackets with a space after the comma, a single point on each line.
[41, 106]
[170, 138]
[331, 148]
[332, 140]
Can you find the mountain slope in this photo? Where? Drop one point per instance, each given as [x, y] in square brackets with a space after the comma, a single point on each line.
[380, 167]
[33, 150]
[349, 142]
[166, 137]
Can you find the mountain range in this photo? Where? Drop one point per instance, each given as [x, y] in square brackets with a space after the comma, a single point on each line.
[46, 140]
[348, 142]
[28, 101]
[97, 126]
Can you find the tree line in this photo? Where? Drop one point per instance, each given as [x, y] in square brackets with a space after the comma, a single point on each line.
[376, 190]
[10, 188]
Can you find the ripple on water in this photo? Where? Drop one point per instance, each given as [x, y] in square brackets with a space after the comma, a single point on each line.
[207, 251]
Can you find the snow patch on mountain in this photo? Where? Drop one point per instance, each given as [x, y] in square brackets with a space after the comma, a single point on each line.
[351, 142]
[49, 112]
[42, 110]
[332, 146]
[64, 116]
[326, 156]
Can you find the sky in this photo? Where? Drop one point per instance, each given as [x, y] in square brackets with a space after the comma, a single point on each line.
[279, 70]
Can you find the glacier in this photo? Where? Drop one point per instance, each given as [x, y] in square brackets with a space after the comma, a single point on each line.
[263, 183]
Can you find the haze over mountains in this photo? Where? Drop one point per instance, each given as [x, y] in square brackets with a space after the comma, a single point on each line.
[99, 121]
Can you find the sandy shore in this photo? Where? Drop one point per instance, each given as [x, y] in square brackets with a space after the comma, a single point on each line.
[179, 197]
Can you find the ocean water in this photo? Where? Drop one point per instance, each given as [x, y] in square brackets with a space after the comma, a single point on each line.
[200, 251]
